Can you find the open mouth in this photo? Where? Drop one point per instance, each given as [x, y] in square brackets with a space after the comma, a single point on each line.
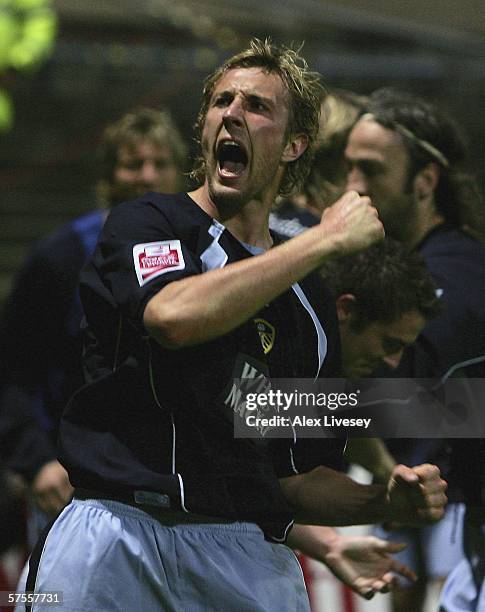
[231, 158]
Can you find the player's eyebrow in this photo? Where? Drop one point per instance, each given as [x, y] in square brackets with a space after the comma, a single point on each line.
[249, 95]
[368, 166]
[257, 97]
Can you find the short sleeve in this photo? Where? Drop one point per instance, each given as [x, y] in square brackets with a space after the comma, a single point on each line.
[141, 249]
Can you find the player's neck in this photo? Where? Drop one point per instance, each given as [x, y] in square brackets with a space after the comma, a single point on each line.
[251, 230]
[248, 223]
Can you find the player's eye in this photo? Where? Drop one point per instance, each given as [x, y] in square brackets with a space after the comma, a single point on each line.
[257, 104]
[222, 100]
[133, 166]
[370, 169]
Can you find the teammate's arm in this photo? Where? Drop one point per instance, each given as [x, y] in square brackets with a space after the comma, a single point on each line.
[202, 307]
[363, 563]
[413, 496]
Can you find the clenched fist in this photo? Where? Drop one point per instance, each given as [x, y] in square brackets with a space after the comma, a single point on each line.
[51, 488]
[416, 495]
[352, 223]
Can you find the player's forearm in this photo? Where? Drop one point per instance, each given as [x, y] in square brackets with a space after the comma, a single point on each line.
[200, 308]
[203, 307]
[326, 497]
[312, 540]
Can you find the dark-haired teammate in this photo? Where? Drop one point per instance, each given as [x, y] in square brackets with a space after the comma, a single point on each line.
[409, 158]
[384, 295]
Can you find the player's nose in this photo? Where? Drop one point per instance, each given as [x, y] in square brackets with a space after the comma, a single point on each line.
[149, 173]
[356, 182]
[393, 361]
[233, 113]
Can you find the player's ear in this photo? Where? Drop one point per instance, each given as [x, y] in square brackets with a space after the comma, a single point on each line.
[295, 147]
[345, 307]
[426, 181]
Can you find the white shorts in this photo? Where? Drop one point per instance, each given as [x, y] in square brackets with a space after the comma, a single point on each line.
[464, 590]
[432, 551]
[460, 593]
[107, 556]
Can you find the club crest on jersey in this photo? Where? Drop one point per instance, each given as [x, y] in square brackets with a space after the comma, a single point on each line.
[267, 334]
[155, 258]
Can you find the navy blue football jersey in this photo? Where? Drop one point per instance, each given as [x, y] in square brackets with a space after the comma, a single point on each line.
[162, 420]
[452, 344]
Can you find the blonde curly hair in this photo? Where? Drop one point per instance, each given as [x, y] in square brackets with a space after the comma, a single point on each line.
[304, 90]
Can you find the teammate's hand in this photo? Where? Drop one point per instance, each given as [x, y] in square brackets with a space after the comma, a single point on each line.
[51, 488]
[352, 222]
[416, 495]
[364, 564]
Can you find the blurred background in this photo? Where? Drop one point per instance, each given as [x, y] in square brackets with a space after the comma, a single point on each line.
[68, 67]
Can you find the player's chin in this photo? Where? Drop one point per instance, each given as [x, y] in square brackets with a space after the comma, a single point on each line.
[229, 194]
[234, 186]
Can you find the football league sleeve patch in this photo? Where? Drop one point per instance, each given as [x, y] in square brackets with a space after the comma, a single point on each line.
[152, 259]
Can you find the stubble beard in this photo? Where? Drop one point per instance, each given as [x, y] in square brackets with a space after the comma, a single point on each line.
[399, 217]
[228, 201]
